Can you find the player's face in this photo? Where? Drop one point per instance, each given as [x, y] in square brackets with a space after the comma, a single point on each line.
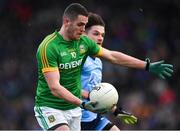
[76, 27]
[96, 33]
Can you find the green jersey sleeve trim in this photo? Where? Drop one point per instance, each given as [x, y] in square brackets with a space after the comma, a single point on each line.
[50, 69]
[100, 52]
[43, 47]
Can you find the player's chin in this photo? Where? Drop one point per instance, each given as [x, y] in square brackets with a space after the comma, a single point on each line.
[99, 44]
[77, 37]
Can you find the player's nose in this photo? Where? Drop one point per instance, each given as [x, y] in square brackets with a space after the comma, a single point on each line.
[83, 29]
[100, 39]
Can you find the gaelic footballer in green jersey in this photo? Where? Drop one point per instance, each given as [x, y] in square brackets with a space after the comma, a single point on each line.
[55, 53]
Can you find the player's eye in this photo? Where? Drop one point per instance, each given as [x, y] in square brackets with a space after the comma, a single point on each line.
[103, 35]
[96, 33]
[80, 24]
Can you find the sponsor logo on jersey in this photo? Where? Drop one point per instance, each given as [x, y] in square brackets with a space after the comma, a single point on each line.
[82, 49]
[72, 64]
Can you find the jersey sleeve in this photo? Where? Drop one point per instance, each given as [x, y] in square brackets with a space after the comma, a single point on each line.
[47, 57]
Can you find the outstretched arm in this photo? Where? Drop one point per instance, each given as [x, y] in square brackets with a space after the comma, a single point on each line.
[123, 59]
[157, 68]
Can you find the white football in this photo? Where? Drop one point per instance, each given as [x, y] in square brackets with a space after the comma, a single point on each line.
[105, 94]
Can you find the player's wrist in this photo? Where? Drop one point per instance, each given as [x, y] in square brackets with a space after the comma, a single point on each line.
[147, 64]
[82, 105]
[88, 95]
[120, 111]
[117, 111]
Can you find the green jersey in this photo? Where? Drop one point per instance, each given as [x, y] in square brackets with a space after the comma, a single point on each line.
[55, 53]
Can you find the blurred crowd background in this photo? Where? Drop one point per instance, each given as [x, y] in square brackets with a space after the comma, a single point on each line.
[139, 28]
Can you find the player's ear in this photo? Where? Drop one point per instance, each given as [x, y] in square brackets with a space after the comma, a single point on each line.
[66, 21]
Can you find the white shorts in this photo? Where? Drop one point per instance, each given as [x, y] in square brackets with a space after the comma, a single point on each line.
[48, 117]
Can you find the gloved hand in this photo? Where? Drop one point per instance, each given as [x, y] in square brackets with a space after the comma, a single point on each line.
[92, 106]
[159, 68]
[127, 118]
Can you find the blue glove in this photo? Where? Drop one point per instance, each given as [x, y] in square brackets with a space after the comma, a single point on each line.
[159, 68]
[92, 106]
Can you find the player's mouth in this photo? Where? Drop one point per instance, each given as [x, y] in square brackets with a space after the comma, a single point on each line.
[79, 34]
[99, 44]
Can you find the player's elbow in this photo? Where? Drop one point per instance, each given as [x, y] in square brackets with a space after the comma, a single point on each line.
[54, 90]
[113, 60]
[112, 57]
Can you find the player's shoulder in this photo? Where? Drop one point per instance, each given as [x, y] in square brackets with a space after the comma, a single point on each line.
[47, 44]
[86, 39]
[49, 40]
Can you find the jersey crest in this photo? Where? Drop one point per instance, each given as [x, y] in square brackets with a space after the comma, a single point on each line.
[82, 49]
[51, 118]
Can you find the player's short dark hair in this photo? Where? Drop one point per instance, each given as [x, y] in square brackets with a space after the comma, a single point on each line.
[75, 9]
[94, 19]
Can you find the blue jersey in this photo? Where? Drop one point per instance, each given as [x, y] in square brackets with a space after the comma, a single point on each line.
[91, 75]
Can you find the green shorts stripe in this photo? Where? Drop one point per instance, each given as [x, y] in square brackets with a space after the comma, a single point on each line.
[44, 123]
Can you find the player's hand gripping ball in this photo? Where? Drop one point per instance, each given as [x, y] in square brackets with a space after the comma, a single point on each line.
[105, 94]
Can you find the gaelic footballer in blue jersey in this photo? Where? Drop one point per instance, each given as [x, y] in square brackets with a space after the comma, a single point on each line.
[92, 75]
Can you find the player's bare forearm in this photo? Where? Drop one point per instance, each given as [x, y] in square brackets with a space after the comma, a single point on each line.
[58, 90]
[123, 59]
[127, 61]
[61, 92]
